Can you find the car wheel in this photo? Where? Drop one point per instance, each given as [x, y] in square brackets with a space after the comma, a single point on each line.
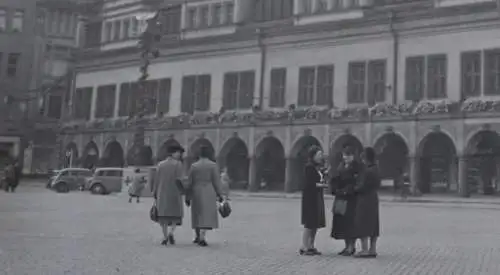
[62, 187]
[97, 189]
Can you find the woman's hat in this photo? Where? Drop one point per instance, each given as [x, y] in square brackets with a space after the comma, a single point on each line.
[311, 152]
[175, 148]
[348, 150]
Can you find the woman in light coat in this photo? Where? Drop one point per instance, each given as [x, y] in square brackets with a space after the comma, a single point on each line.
[225, 181]
[203, 187]
[135, 189]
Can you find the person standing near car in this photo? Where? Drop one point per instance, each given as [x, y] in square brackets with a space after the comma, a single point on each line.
[137, 186]
[168, 191]
[10, 178]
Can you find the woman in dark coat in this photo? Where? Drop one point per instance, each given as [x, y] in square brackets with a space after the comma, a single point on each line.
[344, 206]
[313, 205]
[367, 208]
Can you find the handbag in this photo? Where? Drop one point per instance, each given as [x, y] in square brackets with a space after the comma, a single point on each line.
[224, 209]
[153, 212]
[339, 207]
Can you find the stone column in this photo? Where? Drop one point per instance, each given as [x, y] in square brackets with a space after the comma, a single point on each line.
[413, 162]
[253, 181]
[462, 177]
[289, 176]
[298, 8]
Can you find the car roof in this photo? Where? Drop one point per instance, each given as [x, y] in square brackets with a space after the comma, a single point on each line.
[73, 169]
[109, 169]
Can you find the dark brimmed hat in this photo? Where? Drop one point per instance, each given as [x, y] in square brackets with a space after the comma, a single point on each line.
[175, 148]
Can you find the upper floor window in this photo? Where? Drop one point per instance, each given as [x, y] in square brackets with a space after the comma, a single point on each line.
[105, 103]
[116, 30]
[238, 91]
[191, 18]
[316, 85]
[134, 27]
[63, 23]
[492, 72]
[278, 88]
[54, 21]
[471, 74]
[426, 77]
[12, 64]
[195, 93]
[267, 10]
[108, 32]
[229, 13]
[217, 14]
[18, 21]
[204, 16]
[171, 23]
[82, 103]
[3, 20]
[126, 28]
[93, 31]
[54, 106]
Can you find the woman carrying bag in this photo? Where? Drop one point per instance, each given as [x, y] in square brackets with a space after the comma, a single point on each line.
[344, 206]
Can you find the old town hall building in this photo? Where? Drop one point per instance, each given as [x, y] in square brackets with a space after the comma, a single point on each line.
[261, 80]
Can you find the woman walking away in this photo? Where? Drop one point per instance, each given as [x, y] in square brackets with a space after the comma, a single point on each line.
[344, 206]
[135, 189]
[367, 208]
[168, 191]
[203, 187]
[313, 205]
[225, 182]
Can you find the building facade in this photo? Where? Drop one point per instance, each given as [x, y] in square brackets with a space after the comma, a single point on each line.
[261, 81]
[36, 41]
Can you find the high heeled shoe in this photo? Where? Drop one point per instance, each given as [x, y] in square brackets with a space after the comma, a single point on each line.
[342, 252]
[315, 251]
[349, 253]
[307, 252]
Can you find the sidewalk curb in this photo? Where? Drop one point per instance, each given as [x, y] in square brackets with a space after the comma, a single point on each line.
[382, 198]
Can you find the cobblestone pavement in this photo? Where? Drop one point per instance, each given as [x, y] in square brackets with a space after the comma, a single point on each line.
[42, 232]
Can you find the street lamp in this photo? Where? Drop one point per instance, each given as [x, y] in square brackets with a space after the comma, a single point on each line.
[148, 45]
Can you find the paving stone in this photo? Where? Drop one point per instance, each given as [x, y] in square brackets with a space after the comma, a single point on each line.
[44, 233]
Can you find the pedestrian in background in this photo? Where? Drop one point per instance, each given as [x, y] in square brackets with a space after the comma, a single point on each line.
[313, 205]
[135, 189]
[203, 187]
[367, 225]
[225, 183]
[10, 177]
[344, 206]
[168, 192]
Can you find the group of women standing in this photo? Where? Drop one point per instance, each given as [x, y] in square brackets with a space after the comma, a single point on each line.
[355, 209]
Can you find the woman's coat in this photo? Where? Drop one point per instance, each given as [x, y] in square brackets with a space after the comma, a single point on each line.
[166, 189]
[342, 186]
[313, 204]
[367, 208]
[203, 187]
[137, 186]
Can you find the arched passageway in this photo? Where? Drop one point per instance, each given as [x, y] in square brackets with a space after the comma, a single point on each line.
[483, 162]
[337, 147]
[438, 168]
[163, 152]
[234, 157]
[392, 156]
[113, 155]
[140, 156]
[70, 155]
[90, 157]
[194, 151]
[271, 164]
[298, 159]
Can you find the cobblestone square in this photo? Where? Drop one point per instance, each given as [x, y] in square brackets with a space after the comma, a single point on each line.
[42, 232]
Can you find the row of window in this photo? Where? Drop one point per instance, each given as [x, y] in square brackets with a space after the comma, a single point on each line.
[61, 23]
[319, 6]
[12, 60]
[207, 15]
[11, 21]
[425, 78]
[120, 29]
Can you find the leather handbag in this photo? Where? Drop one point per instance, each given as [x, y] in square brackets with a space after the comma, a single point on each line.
[153, 212]
[224, 209]
[339, 207]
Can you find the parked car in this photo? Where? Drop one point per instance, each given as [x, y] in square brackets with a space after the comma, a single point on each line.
[53, 175]
[70, 179]
[106, 181]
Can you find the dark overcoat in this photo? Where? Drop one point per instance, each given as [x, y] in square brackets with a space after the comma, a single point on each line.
[342, 186]
[367, 209]
[313, 204]
[166, 189]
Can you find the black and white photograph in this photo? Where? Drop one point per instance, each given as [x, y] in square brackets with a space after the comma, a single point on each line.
[257, 137]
